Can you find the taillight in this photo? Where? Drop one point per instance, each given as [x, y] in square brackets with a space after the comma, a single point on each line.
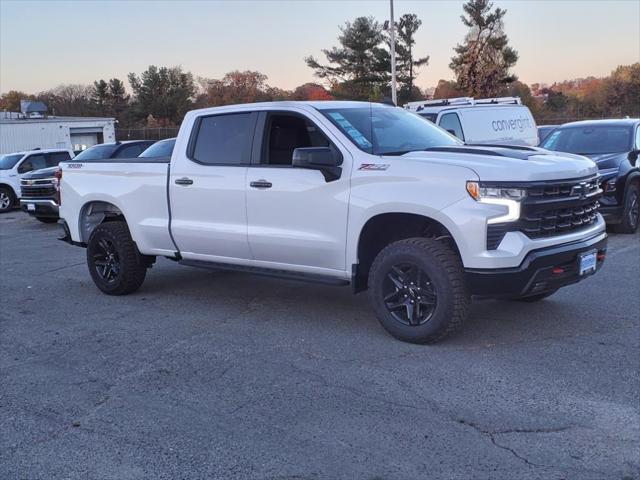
[58, 176]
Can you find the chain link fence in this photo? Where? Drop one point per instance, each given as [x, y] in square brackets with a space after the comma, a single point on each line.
[146, 133]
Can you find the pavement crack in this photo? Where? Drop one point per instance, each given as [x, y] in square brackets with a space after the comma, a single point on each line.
[491, 435]
[63, 267]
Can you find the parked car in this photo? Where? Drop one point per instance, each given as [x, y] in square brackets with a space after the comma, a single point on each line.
[40, 197]
[615, 146]
[105, 151]
[344, 193]
[502, 120]
[14, 166]
[544, 131]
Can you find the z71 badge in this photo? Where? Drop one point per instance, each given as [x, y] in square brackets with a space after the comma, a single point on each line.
[373, 166]
[74, 165]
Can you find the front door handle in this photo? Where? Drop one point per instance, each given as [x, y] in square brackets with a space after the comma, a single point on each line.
[184, 181]
[261, 184]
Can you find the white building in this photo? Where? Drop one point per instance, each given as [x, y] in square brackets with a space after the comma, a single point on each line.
[19, 132]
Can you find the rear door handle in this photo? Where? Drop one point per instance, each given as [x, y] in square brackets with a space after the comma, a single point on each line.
[184, 181]
[261, 184]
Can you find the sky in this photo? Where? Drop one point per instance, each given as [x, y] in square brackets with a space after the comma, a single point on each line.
[44, 44]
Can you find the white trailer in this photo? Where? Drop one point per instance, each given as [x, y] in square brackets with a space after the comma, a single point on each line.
[73, 133]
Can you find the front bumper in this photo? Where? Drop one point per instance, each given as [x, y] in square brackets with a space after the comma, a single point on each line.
[542, 270]
[41, 207]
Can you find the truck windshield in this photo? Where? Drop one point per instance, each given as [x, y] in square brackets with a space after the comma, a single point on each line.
[590, 140]
[387, 130]
[163, 148]
[97, 152]
[7, 162]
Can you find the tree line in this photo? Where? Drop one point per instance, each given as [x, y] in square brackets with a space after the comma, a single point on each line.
[357, 68]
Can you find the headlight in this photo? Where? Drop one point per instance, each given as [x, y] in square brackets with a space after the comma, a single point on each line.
[505, 196]
[609, 186]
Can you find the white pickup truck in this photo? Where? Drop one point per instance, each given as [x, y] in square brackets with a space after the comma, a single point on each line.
[345, 193]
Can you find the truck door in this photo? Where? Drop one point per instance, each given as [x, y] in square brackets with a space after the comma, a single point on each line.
[207, 188]
[295, 216]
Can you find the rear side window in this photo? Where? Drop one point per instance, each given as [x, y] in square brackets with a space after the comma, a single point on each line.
[53, 159]
[451, 123]
[224, 139]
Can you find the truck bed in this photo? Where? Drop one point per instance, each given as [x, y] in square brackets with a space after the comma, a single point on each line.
[136, 187]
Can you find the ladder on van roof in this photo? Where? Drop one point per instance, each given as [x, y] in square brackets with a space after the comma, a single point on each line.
[462, 101]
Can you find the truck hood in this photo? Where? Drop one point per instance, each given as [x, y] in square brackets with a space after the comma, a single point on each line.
[510, 164]
[42, 173]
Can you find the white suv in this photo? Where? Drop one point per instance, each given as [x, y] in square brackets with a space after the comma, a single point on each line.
[14, 165]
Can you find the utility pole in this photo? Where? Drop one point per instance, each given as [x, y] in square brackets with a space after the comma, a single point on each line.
[394, 89]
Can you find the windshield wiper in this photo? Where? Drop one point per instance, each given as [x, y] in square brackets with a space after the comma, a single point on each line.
[397, 153]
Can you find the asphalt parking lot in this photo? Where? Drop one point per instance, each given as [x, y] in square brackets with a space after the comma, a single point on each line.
[206, 375]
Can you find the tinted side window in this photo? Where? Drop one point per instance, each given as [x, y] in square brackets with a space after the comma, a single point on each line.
[285, 133]
[33, 162]
[451, 123]
[224, 139]
[130, 151]
[53, 159]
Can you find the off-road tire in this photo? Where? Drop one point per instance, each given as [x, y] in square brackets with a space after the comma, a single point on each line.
[630, 213]
[442, 267]
[132, 267]
[8, 199]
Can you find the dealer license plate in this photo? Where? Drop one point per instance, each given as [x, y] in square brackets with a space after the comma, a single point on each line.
[31, 207]
[588, 262]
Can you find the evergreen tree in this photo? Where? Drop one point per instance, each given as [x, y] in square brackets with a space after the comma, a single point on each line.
[358, 69]
[406, 64]
[483, 61]
[166, 93]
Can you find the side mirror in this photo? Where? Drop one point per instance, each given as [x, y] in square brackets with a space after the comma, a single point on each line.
[633, 156]
[325, 159]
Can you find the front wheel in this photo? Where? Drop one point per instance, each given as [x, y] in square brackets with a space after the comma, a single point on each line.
[631, 211]
[115, 264]
[7, 199]
[417, 290]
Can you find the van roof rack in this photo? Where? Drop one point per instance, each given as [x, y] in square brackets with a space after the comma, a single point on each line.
[462, 101]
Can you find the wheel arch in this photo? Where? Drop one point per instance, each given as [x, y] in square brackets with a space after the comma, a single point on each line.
[94, 213]
[384, 228]
[10, 187]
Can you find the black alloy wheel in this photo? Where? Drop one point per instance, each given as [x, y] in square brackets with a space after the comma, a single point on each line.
[409, 295]
[106, 261]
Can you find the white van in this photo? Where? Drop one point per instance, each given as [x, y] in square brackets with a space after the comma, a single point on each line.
[502, 120]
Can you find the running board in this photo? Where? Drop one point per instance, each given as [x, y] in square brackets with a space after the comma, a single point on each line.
[269, 272]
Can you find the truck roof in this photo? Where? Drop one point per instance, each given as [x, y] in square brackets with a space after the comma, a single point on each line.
[317, 104]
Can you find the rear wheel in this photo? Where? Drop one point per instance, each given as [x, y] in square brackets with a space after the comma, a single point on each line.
[417, 290]
[47, 219]
[115, 264]
[7, 199]
[631, 211]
